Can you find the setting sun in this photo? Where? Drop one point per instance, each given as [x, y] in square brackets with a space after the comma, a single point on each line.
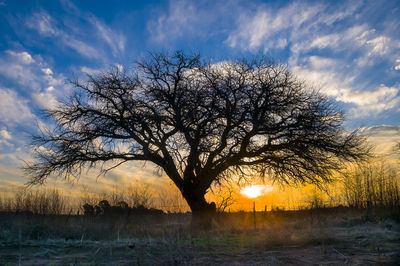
[254, 191]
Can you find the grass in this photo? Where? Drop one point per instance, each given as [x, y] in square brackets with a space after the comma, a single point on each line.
[283, 238]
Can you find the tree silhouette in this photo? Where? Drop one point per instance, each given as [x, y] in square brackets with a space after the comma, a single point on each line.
[199, 122]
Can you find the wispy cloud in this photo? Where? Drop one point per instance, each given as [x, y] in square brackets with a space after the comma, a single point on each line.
[179, 19]
[82, 47]
[43, 23]
[269, 28]
[116, 41]
[47, 26]
[201, 19]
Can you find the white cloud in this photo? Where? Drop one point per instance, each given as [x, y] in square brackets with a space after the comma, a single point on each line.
[330, 40]
[35, 79]
[47, 71]
[82, 47]
[45, 100]
[114, 40]
[90, 71]
[18, 72]
[321, 73]
[13, 109]
[5, 134]
[371, 102]
[397, 67]
[119, 67]
[43, 23]
[173, 24]
[22, 57]
[318, 62]
[24, 70]
[295, 22]
[379, 45]
[190, 18]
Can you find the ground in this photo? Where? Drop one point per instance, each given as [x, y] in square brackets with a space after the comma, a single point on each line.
[317, 240]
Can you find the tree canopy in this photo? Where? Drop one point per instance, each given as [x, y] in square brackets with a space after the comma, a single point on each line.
[199, 122]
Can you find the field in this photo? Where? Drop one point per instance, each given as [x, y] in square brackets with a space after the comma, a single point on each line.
[331, 236]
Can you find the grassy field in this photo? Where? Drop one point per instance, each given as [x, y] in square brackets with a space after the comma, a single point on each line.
[337, 236]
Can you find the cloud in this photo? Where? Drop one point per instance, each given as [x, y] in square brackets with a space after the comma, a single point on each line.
[94, 71]
[45, 100]
[397, 67]
[13, 109]
[14, 67]
[43, 23]
[90, 71]
[176, 22]
[202, 19]
[323, 73]
[115, 40]
[47, 71]
[379, 45]
[263, 26]
[5, 134]
[82, 47]
[371, 102]
[73, 31]
[34, 80]
[24, 70]
[330, 40]
[22, 57]
[383, 137]
[46, 26]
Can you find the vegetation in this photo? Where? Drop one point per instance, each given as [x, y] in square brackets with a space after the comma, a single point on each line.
[200, 123]
[334, 235]
[106, 230]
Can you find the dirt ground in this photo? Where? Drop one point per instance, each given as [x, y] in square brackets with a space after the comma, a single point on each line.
[359, 244]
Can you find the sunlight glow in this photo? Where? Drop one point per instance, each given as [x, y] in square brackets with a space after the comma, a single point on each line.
[254, 191]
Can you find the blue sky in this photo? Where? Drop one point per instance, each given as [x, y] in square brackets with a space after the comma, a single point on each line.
[348, 49]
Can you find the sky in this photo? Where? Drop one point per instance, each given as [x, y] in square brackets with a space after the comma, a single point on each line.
[350, 50]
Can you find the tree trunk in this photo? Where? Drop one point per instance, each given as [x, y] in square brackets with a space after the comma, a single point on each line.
[202, 212]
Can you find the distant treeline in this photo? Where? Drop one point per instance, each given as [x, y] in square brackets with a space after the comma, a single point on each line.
[375, 186]
[104, 208]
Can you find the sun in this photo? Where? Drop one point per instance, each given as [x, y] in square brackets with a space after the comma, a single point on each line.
[254, 191]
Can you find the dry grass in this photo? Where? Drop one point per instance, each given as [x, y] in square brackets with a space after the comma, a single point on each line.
[329, 236]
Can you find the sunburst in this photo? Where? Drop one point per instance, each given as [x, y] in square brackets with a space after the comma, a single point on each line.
[254, 191]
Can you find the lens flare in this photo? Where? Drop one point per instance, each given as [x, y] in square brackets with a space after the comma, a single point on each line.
[254, 191]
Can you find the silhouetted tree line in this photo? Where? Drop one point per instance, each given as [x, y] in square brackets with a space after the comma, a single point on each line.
[372, 186]
[104, 208]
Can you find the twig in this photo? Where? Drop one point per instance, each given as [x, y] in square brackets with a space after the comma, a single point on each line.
[345, 257]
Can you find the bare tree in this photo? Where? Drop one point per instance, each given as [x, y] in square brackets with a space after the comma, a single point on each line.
[198, 122]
